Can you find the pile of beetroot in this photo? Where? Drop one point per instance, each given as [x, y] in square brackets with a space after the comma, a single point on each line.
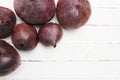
[71, 15]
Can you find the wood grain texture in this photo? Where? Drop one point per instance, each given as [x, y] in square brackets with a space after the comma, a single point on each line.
[89, 53]
[66, 71]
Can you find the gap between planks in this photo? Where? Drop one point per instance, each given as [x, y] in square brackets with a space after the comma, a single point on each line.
[96, 43]
[107, 25]
[107, 7]
[102, 60]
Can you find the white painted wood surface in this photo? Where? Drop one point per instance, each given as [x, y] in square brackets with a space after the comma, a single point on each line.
[89, 53]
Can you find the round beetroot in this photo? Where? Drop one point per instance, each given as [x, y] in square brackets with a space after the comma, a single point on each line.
[9, 58]
[7, 22]
[50, 34]
[24, 37]
[35, 11]
[73, 13]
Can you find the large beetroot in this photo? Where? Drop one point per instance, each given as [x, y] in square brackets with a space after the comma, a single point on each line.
[35, 11]
[73, 13]
[9, 58]
[7, 22]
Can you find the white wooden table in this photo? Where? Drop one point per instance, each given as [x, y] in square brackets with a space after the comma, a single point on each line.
[89, 53]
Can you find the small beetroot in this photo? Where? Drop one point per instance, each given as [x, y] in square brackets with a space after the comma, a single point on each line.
[25, 37]
[50, 34]
[9, 58]
[7, 22]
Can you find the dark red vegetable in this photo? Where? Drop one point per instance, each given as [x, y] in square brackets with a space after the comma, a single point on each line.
[50, 34]
[9, 58]
[7, 22]
[35, 11]
[25, 37]
[72, 14]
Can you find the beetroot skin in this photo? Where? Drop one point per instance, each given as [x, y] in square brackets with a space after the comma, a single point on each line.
[73, 13]
[50, 34]
[9, 58]
[35, 11]
[25, 37]
[7, 22]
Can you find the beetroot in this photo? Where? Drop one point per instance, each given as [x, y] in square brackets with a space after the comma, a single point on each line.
[9, 58]
[50, 34]
[7, 22]
[25, 37]
[35, 11]
[72, 14]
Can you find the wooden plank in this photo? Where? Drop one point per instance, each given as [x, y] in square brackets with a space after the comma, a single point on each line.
[103, 12]
[88, 43]
[66, 70]
[113, 4]
[105, 17]
[80, 52]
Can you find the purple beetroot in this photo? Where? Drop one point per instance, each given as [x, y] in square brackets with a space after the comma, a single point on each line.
[72, 14]
[25, 37]
[9, 58]
[35, 11]
[50, 34]
[7, 22]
